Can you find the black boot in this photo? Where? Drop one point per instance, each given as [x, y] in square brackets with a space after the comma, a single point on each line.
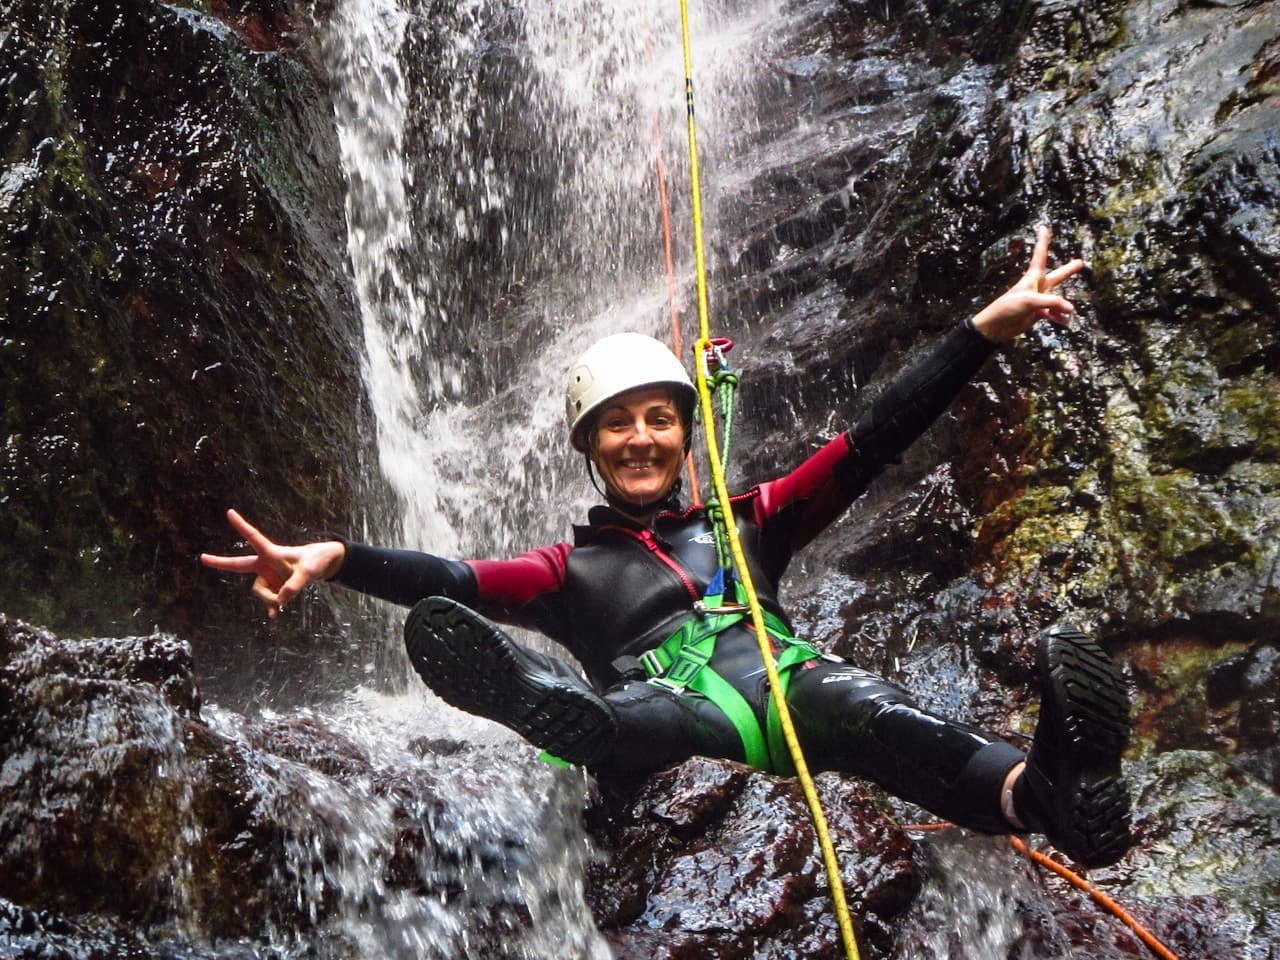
[471, 664]
[1071, 790]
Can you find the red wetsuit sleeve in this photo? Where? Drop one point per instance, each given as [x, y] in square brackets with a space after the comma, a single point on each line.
[514, 583]
[501, 589]
[809, 497]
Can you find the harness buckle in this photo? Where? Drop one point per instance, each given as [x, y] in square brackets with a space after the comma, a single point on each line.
[686, 665]
[665, 684]
[700, 607]
[652, 665]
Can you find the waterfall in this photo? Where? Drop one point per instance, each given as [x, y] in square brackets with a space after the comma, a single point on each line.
[502, 214]
[371, 109]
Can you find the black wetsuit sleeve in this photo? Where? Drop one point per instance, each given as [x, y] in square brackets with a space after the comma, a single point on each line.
[909, 405]
[405, 576]
[795, 508]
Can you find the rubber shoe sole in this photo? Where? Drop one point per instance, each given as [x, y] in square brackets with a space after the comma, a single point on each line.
[1074, 765]
[471, 664]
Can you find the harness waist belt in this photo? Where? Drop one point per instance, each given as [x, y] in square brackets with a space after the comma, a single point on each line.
[680, 664]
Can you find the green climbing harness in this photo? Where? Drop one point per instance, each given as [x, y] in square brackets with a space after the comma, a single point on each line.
[680, 663]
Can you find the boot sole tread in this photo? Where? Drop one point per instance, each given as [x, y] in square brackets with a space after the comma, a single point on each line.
[472, 668]
[1090, 692]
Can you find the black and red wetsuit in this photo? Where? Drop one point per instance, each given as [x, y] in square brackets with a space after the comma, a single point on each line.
[620, 589]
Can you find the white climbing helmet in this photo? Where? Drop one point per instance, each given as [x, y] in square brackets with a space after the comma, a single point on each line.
[614, 365]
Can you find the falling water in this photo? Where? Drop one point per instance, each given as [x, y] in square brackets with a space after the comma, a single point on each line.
[502, 214]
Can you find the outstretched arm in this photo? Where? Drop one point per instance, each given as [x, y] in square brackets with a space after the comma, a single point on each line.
[921, 393]
[281, 572]
[819, 490]
[500, 588]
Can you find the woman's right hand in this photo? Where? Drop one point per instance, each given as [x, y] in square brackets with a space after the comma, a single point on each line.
[282, 572]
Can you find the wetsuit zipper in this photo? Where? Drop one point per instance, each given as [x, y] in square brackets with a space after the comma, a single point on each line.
[651, 543]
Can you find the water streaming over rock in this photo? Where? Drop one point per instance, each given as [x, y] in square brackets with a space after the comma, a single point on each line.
[871, 170]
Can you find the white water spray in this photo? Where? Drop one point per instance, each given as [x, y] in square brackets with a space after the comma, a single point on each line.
[505, 191]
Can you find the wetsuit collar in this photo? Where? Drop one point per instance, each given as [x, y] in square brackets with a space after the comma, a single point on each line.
[606, 516]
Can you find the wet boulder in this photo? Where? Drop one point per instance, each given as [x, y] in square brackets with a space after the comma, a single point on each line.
[115, 799]
[710, 858]
[130, 816]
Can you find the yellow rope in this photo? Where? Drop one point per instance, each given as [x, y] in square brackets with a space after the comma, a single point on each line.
[843, 919]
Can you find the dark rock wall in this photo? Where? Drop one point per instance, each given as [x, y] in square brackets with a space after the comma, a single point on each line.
[1120, 472]
[179, 334]
[177, 338]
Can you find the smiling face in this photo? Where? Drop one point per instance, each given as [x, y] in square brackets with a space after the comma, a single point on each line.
[638, 444]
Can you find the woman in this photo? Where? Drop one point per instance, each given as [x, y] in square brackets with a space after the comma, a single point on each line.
[674, 670]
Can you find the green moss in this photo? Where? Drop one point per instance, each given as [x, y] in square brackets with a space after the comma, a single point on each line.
[1058, 75]
[1256, 402]
[1041, 517]
[1240, 343]
[1181, 516]
[1140, 189]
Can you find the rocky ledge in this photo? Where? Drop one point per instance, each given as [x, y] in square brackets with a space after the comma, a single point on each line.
[131, 824]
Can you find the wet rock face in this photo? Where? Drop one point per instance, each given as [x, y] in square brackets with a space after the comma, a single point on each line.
[133, 826]
[1206, 852]
[1119, 473]
[713, 859]
[177, 326]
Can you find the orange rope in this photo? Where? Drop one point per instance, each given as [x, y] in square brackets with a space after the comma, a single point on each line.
[1077, 881]
[677, 345]
[1158, 948]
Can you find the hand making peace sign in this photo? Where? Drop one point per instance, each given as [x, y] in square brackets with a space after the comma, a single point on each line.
[1016, 310]
[282, 572]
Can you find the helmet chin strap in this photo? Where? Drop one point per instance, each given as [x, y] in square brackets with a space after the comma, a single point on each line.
[670, 500]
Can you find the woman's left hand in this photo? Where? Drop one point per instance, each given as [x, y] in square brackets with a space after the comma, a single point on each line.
[1016, 310]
